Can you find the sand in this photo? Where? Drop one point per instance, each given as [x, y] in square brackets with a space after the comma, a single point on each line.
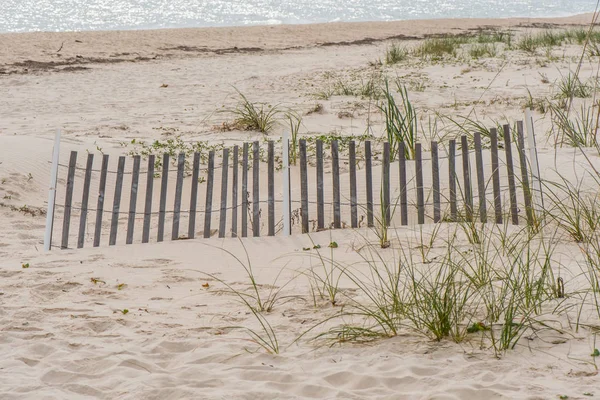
[64, 333]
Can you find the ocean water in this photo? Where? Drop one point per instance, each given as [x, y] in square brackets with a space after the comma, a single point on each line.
[78, 15]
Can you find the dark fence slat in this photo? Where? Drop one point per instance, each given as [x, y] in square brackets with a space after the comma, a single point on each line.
[452, 179]
[245, 195]
[514, 211]
[369, 182]
[435, 174]
[353, 198]
[335, 163]
[209, 193]
[271, 188]
[385, 173]
[496, 175]
[101, 197]
[68, 200]
[163, 198]
[320, 188]
[194, 196]
[234, 192]
[403, 183]
[148, 203]
[420, 191]
[256, 189]
[178, 192]
[224, 187]
[467, 190]
[480, 177]
[527, 195]
[85, 200]
[303, 186]
[114, 223]
[135, 178]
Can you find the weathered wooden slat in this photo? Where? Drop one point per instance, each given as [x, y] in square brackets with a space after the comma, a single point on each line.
[85, 200]
[256, 189]
[403, 183]
[148, 203]
[135, 178]
[320, 188]
[467, 190]
[234, 192]
[114, 223]
[496, 175]
[224, 187]
[514, 211]
[209, 193]
[178, 192]
[353, 195]
[435, 173]
[303, 186]
[385, 173]
[335, 162]
[420, 190]
[163, 198]
[68, 200]
[245, 195]
[452, 179]
[194, 196]
[527, 194]
[101, 196]
[271, 188]
[369, 182]
[480, 177]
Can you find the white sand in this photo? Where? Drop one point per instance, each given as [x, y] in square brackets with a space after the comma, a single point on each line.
[64, 337]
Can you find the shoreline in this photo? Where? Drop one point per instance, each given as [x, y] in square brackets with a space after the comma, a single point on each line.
[55, 49]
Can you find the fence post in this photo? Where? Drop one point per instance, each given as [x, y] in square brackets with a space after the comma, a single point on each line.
[452, 179]
[335, 162]
[85, 200]
[52, 193]
[420, 192]
[403, 183]
[68, 200]
[271, 188]
[496, 175]
[524, 174]
[435, 172]
[353, 199]
[480, 177]
[178, 191]
[224, 184]
[209, 194]
[256, 189]
[234, 191]
[194, 197]
[133, 199]
[114, 223]
[101, 198]
[303, 186]
[320, 195]
[538, 194]
[385, 166]
[245, 193]
[286, 183]
[511, 176]
[148, 204]
[163, 197]
[468, 191]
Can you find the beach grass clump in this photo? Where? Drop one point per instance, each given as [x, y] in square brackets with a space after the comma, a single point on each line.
[251, 116]
[495, 37]
[578, 128]
[395, 54]
[483, 50]
[438, 48]
[547, 39]
[401, 121]
[571, 86]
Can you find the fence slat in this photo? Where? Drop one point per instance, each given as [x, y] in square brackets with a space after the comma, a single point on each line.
[148, 203]
[320, 194]
[369, 179]
[100, 204]
[178, 191]
[452, 179]
[224, 187]
[480, 177]
[514, 211]
[68, 200]
[385, 169]
[256, 189]
[209, 193]
[403, 183]
[271, 188]
[194, 196]
[496, 175]
[528, 197]
[435, 173]
[114, 223]
[163, 198]
[85, 200]
[335, 163]
[234, 192]
[468, 190]
[353, 198]
[135, 178]
[245, 194]
[303, 186]
[420, 191]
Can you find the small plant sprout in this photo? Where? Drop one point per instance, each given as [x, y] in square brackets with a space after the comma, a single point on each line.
[124, 311]
[25, 265]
